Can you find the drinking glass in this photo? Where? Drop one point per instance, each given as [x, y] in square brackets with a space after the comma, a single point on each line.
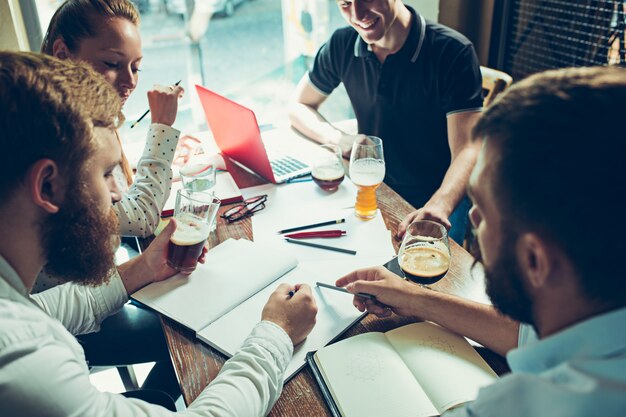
[327, 168]
[198, 177]
[367, 171]
[424, 255]
[194, 213]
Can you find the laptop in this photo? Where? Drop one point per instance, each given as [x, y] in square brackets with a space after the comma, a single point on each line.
[237, 135]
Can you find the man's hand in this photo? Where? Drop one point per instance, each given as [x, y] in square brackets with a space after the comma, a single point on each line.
[151, 265]
[295, 314]
[163, 102]
[392, 292]
[427, 212]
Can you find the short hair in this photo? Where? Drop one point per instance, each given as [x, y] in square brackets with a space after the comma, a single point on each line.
[561, 165]
[76, 20]
[49, 110]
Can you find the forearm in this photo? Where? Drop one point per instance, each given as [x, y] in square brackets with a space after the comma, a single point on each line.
[479, 322]
[251, 381]
[313, 125]
[455, 181]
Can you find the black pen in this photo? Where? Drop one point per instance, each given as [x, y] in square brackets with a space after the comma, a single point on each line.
[148, 111]
[315, 245]
[358, 294]
[310, 226]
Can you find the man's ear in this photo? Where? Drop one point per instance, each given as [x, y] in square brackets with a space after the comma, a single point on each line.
[60, 49]
[45, 185]
[533, 254]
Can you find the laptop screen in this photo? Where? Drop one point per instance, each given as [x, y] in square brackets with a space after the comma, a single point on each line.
[235, 131]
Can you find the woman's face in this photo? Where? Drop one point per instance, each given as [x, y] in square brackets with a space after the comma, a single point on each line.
[115, 52]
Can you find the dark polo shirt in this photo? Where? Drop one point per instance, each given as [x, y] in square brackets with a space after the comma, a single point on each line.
[405, 101]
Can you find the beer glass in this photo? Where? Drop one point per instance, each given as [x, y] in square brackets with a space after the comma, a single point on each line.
[367, 171]
[424, 255]
[198, 177]
[327, 168]
[194, 214]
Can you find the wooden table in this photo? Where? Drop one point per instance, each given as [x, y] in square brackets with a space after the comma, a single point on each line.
[196, 364]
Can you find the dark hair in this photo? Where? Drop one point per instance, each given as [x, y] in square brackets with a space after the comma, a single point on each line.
[561, 165]
[76, 20]
[49, 110]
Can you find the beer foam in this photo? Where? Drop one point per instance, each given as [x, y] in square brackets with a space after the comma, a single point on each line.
[327, 172]
[425, 261]
[187, 235]
[367, 172]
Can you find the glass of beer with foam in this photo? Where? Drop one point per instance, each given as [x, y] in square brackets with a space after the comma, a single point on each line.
[327, 169]
[424, 255]
[367, 171]
[194, 213]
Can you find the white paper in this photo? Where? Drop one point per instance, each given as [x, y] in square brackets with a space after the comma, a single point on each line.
[232, 272]
[335, 311]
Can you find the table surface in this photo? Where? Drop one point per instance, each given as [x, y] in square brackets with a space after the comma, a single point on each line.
[197, 365]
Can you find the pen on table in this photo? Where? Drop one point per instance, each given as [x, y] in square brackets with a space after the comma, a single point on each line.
[148, 111]
[310, 226]
[322, 234]
[359, 294]
[315, 245]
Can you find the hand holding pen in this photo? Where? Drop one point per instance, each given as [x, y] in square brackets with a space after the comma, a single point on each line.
[163, 102]
[293, 308]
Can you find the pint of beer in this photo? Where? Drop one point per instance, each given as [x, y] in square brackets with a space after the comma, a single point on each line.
[424, 255]
[194, 213]
[327, 169]
[367, 171]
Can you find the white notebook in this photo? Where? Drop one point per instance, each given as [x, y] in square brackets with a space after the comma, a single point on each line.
[223, 299]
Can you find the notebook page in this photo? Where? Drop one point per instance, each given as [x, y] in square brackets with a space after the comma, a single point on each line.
[232, 272]
[448, 368]
[367, 378]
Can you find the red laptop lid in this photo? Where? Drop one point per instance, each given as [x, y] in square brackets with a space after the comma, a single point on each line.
[235, 131]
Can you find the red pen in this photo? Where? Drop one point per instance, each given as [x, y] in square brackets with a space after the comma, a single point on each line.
[322, 234]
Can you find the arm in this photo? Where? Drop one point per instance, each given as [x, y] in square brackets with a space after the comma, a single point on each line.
[305, 117]
[140, 208]
[463, 153]
[479, 322]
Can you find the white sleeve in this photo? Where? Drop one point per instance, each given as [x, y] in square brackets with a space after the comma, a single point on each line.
[251, 381]
[49, 378]
[80, 308]
[140, 208]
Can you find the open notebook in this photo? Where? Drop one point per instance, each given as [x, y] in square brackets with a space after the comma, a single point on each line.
[223, 299]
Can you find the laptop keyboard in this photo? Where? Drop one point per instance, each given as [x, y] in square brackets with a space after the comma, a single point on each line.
[286, 164]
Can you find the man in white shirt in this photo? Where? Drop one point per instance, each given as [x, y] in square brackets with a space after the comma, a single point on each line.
[56, 193]
[551, 166]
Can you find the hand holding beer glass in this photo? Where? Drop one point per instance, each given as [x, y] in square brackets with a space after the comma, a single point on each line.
[327, 169]
[367, 171]
[194, 213]
[424, 255]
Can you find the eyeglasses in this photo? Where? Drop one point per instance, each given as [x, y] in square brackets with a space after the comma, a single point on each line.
[246, 209]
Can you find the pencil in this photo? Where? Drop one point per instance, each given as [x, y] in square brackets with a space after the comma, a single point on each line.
[310, 226]
[315, 245]
[332, 287]
[148, 111]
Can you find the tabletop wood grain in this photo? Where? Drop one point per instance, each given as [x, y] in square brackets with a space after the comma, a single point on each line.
[197, 365]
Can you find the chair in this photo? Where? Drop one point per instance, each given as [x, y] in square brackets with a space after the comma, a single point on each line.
[494, 82]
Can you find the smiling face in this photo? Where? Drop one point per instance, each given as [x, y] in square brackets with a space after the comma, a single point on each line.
[115, 52]
[372, 19]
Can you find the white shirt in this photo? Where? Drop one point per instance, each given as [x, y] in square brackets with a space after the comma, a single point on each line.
[579, 371]
[43, 370]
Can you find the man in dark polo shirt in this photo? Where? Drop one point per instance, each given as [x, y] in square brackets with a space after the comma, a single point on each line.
[415, 84]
